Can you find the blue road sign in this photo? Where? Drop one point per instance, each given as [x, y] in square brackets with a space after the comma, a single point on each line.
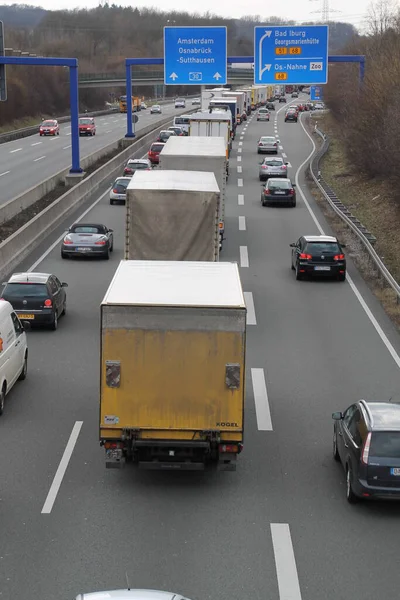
[195, 55]
[316, 93]
[291, 55]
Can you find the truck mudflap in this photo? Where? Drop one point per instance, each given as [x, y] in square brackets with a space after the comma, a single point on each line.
[227, 462]
[115, 458]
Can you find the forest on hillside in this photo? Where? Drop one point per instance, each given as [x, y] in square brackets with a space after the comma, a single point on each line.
[101, 38]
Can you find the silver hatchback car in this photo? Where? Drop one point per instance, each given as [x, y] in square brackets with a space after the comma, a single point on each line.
[267, 144]
[263, 114]
[272, 167]
[130, 595]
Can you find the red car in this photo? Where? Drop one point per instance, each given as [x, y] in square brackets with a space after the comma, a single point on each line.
[154, 152]
[50, 127]
[87, 126]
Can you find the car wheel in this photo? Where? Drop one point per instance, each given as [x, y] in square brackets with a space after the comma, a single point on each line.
[299, 275]
[111, 201]
[64, 310]
[2, 399]
[262, 201]
[293, 203]
[335, 448]
[342, 277]
[24, 371]
[54, 324]
[63, 255]
[350, 495]
[107, 255]
[258, 152]
[112, 247]
[58, 133]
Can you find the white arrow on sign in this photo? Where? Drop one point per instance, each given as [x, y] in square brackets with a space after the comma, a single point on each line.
[173, 76]
[267, 34]
[217, 76]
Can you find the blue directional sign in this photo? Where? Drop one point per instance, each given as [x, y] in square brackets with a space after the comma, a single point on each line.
[316, 93]
[195, 55]
[291, 55]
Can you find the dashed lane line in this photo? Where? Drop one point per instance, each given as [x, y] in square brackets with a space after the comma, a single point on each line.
[40, 158]
[263, 414]
[285, 562]
[241, 199]
[239, 169]
[240, 182]
[244, 257]
[242, 223]
[251, 313]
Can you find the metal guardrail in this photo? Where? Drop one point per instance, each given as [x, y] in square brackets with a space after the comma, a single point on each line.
[343, 212]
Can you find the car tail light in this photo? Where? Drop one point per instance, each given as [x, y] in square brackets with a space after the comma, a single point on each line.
[291, 192]
[264, 167]
[48, 302]
[365, 450]
[284, 167]
[338, 257]
[259, 143]
[100, 243]
[304, 256]
[275, 144]
[68, 241]
[228, 448]
[115, 191]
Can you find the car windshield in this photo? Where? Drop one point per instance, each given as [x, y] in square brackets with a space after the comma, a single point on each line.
[269, 140]
[385, 444]
[156, 106]
[87, 229]
[320, 247]
[48, 124]
[21, 290]
[279, 185]
[85, 121]
[273, 162]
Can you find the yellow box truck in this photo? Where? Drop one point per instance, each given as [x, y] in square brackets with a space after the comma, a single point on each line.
[173, 365]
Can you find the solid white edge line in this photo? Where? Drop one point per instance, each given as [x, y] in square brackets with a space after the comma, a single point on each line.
[241, 199]
[263, 414]
[62, 467]
[244, 257]
[58, 240]
[242, 223]
[353, 286]
[251, 313]
[285, 562]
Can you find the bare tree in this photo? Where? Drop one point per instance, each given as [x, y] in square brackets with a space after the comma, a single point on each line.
[381, 17]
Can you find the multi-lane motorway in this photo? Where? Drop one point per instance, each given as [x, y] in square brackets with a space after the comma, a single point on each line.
[26, 162]
[279, 528]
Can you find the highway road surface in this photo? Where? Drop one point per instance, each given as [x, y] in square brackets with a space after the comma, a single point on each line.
[279, 528]
[26, 162]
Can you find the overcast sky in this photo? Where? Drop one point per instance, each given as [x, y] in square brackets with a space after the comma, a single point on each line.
[352, 12]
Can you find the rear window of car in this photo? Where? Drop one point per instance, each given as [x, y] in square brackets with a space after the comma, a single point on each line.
[157, 147]
[323, 247]
[22, 290]
[279, 185]
[87, 229]
[120, 188]
[48, 124]
[268, 140]
[135, 165]
[385, 444]
[182, 120]
[273, 162]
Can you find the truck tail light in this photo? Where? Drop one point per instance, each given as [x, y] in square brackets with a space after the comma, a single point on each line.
[231, 448]
[112, 445]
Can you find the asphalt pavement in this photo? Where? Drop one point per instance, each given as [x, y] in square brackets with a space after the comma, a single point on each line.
[26, 162]
[279, 528]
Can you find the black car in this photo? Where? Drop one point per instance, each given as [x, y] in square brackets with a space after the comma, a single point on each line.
[320, 255]
[282, 99]
[291, 115]
[39, 298]
[278, 191]
[366, 440]
[270, 106]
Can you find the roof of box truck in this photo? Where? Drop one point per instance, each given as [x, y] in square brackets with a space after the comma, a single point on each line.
[194, 146]
[170, 283]
[174, 180]
[206, 115]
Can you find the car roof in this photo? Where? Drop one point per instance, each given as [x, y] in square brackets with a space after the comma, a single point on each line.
[138, 160]
[87, 225]
[29, 277]
[130, 595]
[319, 238]
[278, 179]
[385, 415]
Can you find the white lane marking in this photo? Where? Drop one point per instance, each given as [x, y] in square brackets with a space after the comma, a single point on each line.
[16, 150]
[5, 173]
[240, 143]
[276, 135]
[242, 223]
[109, 131]
[239, 169]
[106, 123]
[40, 158]
[68, 133]
[239, 158]
[66, 147]
[289, 165]
[240, 182]
[54, 138]
[62, 467]
[241, 199]
[244, 257]
[285, 562]
[284, 155]
[251, 313]
[36, 143]
[353, 286]
[239, 149]
[58, 240]
[264, 422]
[280, 147]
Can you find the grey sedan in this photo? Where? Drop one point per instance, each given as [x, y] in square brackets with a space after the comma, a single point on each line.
[272, 167]
[88, 239]
[267, 144]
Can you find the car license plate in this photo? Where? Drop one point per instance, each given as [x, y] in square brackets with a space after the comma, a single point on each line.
[322, 268]
[395, 471]
[26, 317]
[280, 193]
[84, 249]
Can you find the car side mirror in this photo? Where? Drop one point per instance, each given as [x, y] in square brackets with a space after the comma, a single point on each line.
[293, 185]
[64, 284]
[111, 230]
[26, 325]
[337, 416]
[292, 245]
[286, 163]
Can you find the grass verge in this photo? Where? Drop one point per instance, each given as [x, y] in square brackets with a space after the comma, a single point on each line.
[21, 123]
[373, 202]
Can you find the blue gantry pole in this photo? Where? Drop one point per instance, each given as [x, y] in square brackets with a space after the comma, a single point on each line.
[130, 133]
[74, 99]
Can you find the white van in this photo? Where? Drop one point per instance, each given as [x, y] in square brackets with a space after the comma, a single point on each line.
[183, 121]
[13, 350]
